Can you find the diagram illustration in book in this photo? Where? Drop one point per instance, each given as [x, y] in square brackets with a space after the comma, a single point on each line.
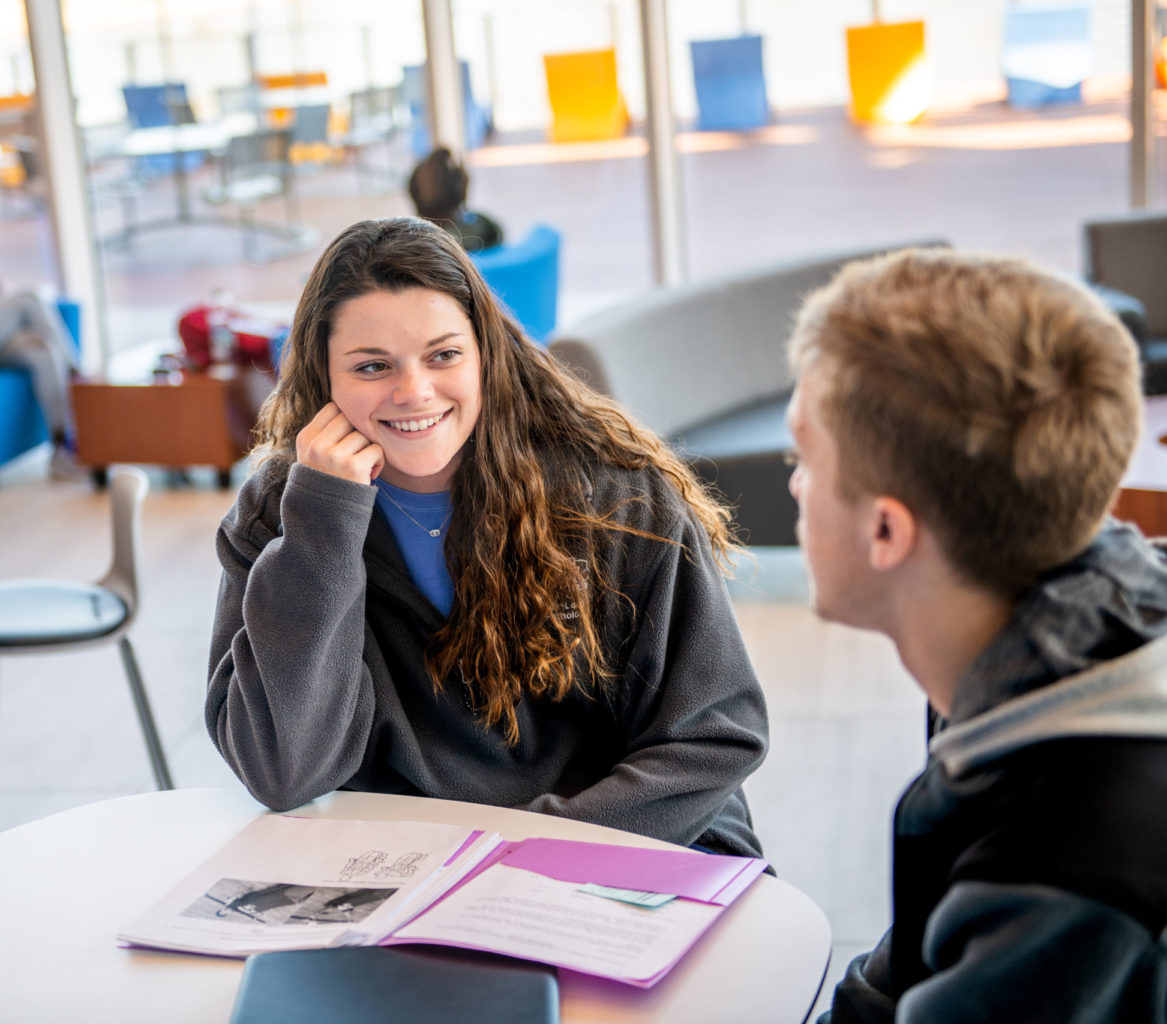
[371, 863]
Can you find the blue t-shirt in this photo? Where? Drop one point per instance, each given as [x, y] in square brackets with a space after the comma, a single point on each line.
[425, 555]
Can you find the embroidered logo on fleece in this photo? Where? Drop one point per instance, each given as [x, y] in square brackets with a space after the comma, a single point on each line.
[569, 610]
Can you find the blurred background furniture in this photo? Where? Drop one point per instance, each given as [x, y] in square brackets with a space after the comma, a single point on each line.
[415, 91]
[1142, 498]
[255, 168]
[887, 68]
[49, 616]
[584, 95]
[153, 106]
[373, 124]
[525, 277]
[184, 418]
[278, 340]
[731, 423]
[22, 426]
[281, 93]
[1128, 253]
[730, 83]
[22, 184]
[177, 140]
[21, 178]
[1046, 52]
[245, 98]
[148, 106]
[112, 174]
[309, 145]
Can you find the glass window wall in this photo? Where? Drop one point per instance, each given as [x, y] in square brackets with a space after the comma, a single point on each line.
[221, 144]
[973, 168]
[581, 168]
[27, 258]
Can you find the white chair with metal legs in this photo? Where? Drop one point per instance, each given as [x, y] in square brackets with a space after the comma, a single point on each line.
[47, 616]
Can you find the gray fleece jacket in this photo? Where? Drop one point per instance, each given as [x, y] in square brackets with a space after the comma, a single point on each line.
[1030, 857]
[317, 679]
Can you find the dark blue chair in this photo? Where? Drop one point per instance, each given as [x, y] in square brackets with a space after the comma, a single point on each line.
[151, 106]
[22, 427]
[1045, 53]
[525, 278]
[730, 82]
[479, 122]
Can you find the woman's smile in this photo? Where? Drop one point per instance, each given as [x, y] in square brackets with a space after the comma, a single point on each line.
[417, 424]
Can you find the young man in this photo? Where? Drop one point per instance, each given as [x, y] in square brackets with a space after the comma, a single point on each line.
[962, 424]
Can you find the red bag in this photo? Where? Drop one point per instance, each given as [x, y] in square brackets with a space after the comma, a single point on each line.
[253, 338]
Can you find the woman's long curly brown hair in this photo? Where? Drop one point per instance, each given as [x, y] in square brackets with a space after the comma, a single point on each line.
[520, 511]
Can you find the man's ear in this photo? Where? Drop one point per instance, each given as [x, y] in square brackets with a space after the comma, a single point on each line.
[893, 533]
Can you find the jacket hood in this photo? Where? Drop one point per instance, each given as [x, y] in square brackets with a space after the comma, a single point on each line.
[1123, 697]
[1107, 602]
[1084, 654]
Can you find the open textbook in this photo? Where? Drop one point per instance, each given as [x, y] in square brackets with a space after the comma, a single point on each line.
[287, 882]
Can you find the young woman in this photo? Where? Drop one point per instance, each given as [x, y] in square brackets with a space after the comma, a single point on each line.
[458, 572]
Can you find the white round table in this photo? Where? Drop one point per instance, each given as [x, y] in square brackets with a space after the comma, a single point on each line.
[75, 878]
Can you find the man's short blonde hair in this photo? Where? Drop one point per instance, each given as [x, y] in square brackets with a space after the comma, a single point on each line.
[998, 401]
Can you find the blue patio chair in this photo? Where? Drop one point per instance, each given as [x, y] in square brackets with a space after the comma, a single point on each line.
[730, 82]
[1045, 53]
[478, 117]
[524, 276]
[151, 106]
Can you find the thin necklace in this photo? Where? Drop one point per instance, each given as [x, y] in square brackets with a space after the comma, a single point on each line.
[432, 533]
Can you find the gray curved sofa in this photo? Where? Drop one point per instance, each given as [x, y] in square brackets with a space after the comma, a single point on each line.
[704, 365]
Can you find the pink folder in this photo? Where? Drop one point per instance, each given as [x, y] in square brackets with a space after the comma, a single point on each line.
[687, 874]
[695, 876]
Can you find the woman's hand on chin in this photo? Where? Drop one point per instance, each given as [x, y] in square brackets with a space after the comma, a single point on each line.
[330, 444]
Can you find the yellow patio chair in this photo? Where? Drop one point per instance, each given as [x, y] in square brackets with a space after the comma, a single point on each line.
[585, 98]
[891, 82]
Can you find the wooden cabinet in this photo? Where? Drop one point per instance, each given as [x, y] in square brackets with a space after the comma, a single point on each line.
[181, 419]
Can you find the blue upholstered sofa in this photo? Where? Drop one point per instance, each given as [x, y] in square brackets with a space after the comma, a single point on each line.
[21, 424]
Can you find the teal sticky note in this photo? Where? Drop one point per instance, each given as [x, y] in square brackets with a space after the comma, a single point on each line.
[651, 900]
